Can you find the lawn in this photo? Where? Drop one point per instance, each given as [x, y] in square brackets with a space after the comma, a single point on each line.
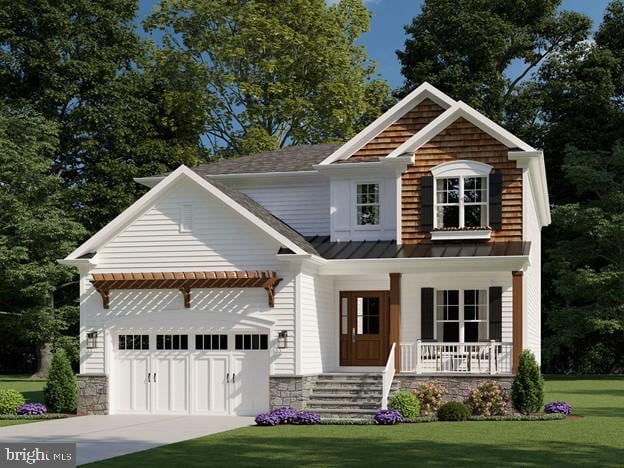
[595, 438]
[32, 389]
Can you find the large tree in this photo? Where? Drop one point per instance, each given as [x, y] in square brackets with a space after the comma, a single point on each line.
[274, 73]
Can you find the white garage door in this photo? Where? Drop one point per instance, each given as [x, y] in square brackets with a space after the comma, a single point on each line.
[196, 374]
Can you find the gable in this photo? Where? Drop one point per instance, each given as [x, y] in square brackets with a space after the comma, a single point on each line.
[462, 140]
[400, 131]
[213, 237]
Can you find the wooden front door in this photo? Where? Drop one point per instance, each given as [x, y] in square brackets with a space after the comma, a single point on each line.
[363, 328]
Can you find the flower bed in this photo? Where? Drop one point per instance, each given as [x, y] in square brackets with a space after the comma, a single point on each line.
[287, 415]
[557, 407]
[11, 417]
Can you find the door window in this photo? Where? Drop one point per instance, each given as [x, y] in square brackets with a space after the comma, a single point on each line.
[368, 310]
[211, 342]
[251, 342]
[133, 342]
[174, 342]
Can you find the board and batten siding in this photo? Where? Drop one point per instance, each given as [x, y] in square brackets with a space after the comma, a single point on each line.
[219, 239]
[302, 202]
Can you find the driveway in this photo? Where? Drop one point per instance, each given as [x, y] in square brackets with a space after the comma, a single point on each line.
[101, 437]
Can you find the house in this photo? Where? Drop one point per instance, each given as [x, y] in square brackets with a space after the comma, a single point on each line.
[322, 277]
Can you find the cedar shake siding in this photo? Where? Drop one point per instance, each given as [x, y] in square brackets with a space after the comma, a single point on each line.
[400, 131]
[462, 140]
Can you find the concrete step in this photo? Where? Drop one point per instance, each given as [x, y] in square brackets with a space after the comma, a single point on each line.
[338, 395]
[344, 412]
[339, 405]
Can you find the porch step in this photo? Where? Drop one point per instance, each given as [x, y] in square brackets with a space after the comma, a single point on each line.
[345, 395]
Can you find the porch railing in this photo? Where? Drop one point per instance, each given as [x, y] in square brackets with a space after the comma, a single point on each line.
[388, 377]
[456, 358]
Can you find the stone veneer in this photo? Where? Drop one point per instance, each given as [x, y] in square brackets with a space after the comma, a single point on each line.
[92, 394]
[290, 391]
[459, 386]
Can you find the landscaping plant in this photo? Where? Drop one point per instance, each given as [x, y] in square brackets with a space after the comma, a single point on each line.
[406, 403]
[306, 417]
[267, 419]
[527, 391]
[431, 397]
[32, 409]
[486, 400]
[61, 392]
[453, 411]
[285, 415]
[560, 407]
[388, 417]
[10, 400]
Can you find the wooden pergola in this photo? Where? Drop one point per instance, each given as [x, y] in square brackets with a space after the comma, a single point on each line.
[185, 281]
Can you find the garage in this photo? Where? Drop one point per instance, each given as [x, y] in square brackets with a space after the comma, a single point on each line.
[190, 373]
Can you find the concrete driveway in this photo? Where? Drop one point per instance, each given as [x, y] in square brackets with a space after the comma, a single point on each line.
[101, 437]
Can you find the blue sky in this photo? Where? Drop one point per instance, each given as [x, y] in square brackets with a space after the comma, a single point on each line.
[387, 34]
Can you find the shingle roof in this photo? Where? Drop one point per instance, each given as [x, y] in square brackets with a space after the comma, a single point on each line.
[389, 249]
[294, 158]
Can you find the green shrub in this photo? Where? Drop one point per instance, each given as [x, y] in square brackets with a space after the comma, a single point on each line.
[10, 400]
[486, 400]
[406, 403]
[527, 391]
[431, 397]
[61, 392]
[453, 411]
[71, 346]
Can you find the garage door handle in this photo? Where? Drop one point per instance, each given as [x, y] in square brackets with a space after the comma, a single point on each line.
[234, 377]
[148, 377]
[154, 377]
[227, 378]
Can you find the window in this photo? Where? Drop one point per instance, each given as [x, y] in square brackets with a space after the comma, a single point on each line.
[92, 340]
[251, 341]
[176, 342]
[367, 309]
[461, 202]
[344, 317]
[469, 326]
[133, 342]
[211, 342]
[367, 204]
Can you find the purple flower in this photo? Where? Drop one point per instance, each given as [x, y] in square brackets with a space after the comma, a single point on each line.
[388, 417]
[267, 419]
[557, 407]
[285, 415]
[32, 408]
[308, 418]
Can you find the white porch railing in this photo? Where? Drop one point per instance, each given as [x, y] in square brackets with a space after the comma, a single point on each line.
[388, 377]
[456, 358]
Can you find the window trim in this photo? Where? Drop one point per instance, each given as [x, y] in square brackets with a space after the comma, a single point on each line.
[462, 312]
[356, 205]
[461, 204]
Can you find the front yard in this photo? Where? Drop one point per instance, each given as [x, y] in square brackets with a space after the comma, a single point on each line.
[32, 389]
[594, 438]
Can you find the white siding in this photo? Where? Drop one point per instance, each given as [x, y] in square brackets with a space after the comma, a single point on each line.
[219, 239]
[301, 202]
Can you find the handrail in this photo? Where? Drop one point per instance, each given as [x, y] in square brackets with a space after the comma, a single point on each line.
[388, 377]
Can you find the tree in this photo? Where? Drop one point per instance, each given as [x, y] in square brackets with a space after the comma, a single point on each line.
[61, 390]
[34, 231]
[466, 47]
[274, 73]
[527, 389]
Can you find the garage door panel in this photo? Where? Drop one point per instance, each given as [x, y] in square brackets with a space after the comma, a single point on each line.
[179, 385]
[210, 384]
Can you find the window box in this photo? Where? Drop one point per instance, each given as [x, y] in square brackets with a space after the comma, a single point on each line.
[461, 234]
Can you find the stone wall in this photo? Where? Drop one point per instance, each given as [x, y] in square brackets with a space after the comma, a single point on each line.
[92, 394]
[459, 386]
[290, 391]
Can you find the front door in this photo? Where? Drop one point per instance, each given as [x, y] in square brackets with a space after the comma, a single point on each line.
[363, 328]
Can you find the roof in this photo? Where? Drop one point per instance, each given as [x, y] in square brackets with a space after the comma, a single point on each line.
[291, 159]
[390, 249]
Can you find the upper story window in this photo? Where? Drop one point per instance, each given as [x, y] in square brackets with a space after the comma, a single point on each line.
[367, 204]
[461, 202]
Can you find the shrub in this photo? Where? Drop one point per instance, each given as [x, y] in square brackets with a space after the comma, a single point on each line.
[61, 392]
[406, 403]
[486, 400]
[430, 396]
[32, 408]
[387, 417]
[560, 407]
[285, 415]
[527, 391]
[308, 418]
[453, 411]
[267, 419]
[10, 400]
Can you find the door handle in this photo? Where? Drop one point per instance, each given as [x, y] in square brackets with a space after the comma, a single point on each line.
[227, 378]
[148, 377]
[353, 335]
[234, 377]
[154, 377]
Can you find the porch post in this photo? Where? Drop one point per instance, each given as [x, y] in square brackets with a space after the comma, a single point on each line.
[516, 306]
[395, 318]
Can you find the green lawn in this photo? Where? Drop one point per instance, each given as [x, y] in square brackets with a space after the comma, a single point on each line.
[32, 389]
[596, 438]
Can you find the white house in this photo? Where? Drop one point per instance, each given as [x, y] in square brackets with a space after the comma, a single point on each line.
[320, 276]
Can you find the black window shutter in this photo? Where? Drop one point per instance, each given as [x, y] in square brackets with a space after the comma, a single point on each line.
[426, 203]
[426, 313]
[496, 313]
[496, 189]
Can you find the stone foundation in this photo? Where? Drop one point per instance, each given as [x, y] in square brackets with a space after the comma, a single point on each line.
[290, 391]
[92, 394]
[459, 386]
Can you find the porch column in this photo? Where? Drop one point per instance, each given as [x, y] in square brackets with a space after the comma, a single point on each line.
[395, 318]
[516, 307]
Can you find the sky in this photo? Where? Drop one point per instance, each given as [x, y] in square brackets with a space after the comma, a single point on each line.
[386, 33]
